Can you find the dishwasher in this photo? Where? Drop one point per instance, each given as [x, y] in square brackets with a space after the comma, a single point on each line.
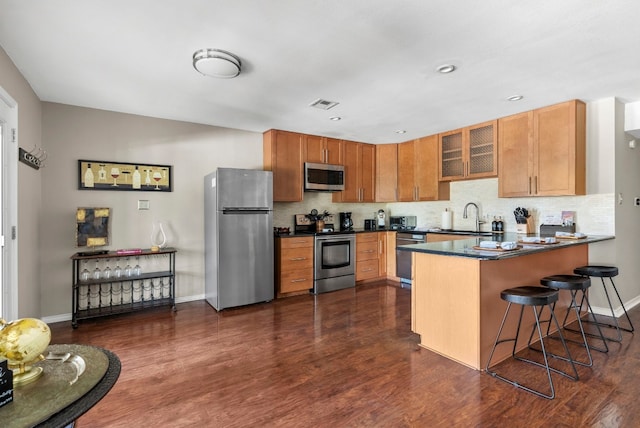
[403, 258]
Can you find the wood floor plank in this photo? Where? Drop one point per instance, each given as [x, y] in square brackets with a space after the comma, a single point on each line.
[346, 358]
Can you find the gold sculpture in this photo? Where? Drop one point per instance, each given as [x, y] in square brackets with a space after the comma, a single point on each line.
[22, 343]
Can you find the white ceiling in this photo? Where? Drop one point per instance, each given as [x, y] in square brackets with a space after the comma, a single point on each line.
[375, 57]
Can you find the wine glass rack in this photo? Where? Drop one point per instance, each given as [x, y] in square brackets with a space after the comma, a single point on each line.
[151, 284]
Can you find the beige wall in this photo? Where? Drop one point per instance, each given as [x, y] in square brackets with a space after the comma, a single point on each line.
[29, 187]
[72, 133]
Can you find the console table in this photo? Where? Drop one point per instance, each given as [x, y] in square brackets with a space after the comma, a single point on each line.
[124, 288]
[51, 401]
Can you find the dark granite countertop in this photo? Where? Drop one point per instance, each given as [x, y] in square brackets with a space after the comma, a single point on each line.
[465, 247]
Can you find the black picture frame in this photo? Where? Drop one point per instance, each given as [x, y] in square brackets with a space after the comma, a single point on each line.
[110, 175]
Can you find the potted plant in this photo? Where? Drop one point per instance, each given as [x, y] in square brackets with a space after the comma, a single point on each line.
[318, 218]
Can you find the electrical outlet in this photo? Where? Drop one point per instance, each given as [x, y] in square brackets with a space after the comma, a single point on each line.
[636, 202]
[143, 204]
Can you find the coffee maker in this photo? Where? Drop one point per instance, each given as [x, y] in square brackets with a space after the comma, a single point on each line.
[345, 221]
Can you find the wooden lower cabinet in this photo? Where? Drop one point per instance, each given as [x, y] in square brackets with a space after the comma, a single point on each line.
[294, 265]
[366, 256]
[371, 255]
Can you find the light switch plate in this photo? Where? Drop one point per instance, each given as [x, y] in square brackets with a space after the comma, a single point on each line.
[143, 204]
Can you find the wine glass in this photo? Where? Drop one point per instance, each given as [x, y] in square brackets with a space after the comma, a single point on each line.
[157, 176]
[106, 272]
[115, 173]
[96, 272]
[137, 270]
[117, 272]
[85, 274]
[127, 269]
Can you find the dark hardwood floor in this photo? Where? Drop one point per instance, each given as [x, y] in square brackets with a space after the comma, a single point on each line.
[342, 359]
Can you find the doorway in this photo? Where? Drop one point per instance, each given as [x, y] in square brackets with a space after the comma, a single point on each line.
[8, 206]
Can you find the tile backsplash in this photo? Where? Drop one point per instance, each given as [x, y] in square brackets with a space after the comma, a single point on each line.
[595, 214]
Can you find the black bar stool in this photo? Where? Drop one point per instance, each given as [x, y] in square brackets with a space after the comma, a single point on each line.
[574, 284]
[535, 297]
[606, 272]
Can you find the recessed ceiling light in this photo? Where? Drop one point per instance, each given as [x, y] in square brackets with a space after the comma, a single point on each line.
[401, 131]
[335, 118]
[515, 98]
[446, 68]
[217, 63]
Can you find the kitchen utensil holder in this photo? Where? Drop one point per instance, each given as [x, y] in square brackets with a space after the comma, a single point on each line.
[525, 228]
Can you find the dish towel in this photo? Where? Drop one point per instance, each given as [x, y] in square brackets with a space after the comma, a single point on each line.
[508, 245]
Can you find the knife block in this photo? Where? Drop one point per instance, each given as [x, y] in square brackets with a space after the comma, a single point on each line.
[525, 228]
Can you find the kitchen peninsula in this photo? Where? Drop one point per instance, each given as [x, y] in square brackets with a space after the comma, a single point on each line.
[455, 303]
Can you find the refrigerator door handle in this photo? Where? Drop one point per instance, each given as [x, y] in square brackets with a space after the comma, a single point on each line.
[246, 210]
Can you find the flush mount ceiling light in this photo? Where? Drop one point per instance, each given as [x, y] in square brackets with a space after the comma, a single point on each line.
[335, 118]
[515, 98]
[217, 63]
[401, 131]
[446, 68]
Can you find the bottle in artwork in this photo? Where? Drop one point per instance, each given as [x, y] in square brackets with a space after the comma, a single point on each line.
[102, 174]
[147, 178]
[136, 178]
[88, 176]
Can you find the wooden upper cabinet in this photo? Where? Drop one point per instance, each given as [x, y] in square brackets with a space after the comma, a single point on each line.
[515, 147]
[359, 162]
[386, 172]
[323, 150]
[560, 152]
[418, 178]
[469, 153]
[283, 155]
[367, 172]
[542, 152]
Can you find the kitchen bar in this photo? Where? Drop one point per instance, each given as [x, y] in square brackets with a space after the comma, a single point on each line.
[456, 307]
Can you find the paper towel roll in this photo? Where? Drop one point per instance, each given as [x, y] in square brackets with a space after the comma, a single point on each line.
[446, 220]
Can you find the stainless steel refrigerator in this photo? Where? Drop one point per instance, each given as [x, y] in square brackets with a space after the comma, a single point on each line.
[238, 228]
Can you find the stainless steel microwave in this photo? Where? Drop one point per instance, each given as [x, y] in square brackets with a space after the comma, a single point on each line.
[322, 177]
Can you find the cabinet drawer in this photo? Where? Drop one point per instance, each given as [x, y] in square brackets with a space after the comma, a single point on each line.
[296, 242]
[366, 237]
[366, 269]
[367, 250]
[296, 258]
[296, 280]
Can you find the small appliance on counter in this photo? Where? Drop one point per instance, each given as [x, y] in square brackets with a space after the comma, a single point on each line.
[369, 224]
[345, 221]
[405, 222]
[381, 219]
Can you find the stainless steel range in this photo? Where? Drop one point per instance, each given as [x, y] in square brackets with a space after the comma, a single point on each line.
[335, 264]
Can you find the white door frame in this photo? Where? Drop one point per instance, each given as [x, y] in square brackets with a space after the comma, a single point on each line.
[9, 207]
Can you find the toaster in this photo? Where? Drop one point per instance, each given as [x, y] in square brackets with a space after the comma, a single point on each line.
[403, 222]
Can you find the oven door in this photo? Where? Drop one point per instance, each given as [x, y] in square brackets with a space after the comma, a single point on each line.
[335, 256]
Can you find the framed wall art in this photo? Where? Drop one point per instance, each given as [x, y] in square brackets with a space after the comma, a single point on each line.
[107, 175]
[92, 227]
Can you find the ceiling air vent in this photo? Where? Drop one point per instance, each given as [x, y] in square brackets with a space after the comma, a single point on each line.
[323, 104]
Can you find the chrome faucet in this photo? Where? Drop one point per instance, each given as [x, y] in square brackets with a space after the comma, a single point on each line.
[478, 221]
